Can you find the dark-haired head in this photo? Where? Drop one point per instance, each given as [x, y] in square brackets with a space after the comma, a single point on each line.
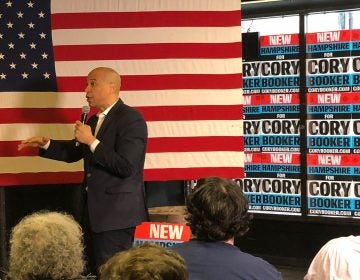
[217, 210]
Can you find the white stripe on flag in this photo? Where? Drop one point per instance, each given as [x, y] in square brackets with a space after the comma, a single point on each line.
[153, 161]
[37, 164]
[67, 6]
[152, 66]
[42, 100]
[14, 132]
[194, 159]
[132, 98]
[68, 37]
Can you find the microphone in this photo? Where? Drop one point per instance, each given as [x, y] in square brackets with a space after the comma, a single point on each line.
[84, 112]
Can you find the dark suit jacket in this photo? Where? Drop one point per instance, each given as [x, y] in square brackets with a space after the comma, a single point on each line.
[113, 174]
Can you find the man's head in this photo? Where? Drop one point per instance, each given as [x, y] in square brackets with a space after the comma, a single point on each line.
[217, 210]
[148, 261]
[46, 245]
[103, 87]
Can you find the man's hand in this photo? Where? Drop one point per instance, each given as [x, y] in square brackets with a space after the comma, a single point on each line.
[35, 142]
[83, 133]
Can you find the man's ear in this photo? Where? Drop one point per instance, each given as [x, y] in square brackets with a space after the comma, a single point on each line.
[112, 86]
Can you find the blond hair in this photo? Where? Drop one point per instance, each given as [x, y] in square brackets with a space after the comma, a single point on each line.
[147, 261]
[46, 245]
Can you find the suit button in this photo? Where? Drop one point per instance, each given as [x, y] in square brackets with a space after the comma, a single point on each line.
[88, 175]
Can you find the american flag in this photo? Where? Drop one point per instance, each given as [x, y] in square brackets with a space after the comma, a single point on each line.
[180, 62]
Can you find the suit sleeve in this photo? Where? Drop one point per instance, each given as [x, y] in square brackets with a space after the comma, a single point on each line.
[126, 157]
[62, 151]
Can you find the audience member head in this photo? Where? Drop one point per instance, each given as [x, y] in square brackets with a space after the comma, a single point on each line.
[148, 261]
[46, 245]
[217, 210]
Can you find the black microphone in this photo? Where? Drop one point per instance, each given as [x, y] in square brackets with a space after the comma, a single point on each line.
[84, 112]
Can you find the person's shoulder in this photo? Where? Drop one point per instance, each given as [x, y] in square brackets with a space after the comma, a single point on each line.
[263, 268]
[255, 262]
[351, 239]
[179, 245]
[125, 109]
[339, 256]
[340, 245]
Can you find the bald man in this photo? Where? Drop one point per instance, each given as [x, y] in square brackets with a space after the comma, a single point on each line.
[112, 144]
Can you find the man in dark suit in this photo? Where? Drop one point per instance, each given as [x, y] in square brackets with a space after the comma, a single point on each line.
[113, 145]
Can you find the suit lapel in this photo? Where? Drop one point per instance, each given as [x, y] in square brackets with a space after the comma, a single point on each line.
[92, 122]
[109, 117]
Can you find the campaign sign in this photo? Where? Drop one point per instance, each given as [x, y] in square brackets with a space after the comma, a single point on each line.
[273, 195]
[329, 125]
[280, 135]
[253, 164]
[252, 105]
[333, 135]
[329, 65]
[281, 105]
[336, 194]
[274, 164]
[330, 165]
[331, 198]
[356, 117]
[280, 46]
[355, 52]
[163, 234]
[335, 103]
[252, 119]
[251, 77]
[280, 66]
[281, 164]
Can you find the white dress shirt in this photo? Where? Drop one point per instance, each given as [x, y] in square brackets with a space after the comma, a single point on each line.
[338, 259]
[101, 117]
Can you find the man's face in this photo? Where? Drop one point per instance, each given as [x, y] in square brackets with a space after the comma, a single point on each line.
[98, 90]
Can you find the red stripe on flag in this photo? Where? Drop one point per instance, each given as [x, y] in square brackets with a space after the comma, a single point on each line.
[10, 179]
[36, 115]
[148, 51]
[161, 82]
[155, 145]
[192, 173]
[154, 113]
[9, 149]
[146, 19]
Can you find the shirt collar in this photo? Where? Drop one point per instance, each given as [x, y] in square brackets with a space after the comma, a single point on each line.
[106, 111]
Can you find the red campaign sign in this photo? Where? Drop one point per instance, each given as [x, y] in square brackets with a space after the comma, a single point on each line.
[279, 40]
[280, 158]
[332, 160]
[163, 231]
[355, 97]
[355, 34]
[332, 98]
[252, 158]
[281, 98]
[254, 99]
[328, 37]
